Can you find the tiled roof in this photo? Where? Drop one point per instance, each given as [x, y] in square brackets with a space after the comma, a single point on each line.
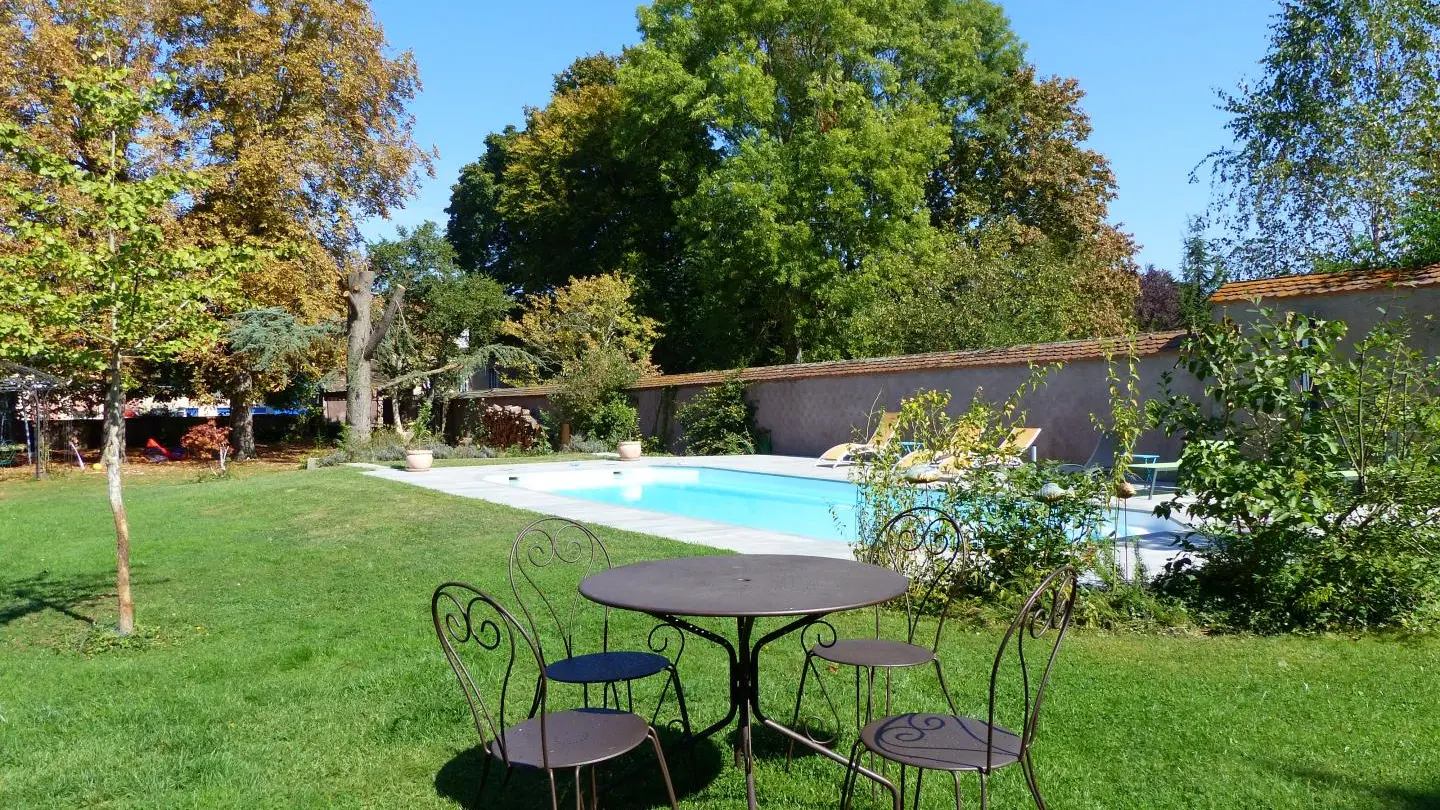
[1036, 353]
[1349, 281]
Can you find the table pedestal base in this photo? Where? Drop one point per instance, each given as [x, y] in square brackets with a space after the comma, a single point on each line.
[745, 693]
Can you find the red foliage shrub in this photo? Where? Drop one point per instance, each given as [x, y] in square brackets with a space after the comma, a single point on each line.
[208, 439]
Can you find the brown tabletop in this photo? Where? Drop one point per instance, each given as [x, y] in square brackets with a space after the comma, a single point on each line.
[741, 585]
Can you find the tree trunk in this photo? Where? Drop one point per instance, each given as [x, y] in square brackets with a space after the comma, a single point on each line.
[242, 421]
[114, 453]
[359, 396]
[364, 340]
[395, 407]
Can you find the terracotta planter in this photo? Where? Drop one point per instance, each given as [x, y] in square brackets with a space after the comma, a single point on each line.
[419, 460]
[629, 451]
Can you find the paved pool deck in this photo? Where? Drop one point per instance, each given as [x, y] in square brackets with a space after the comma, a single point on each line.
[1153, 550]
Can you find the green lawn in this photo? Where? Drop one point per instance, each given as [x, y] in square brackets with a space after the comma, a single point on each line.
[292, 664]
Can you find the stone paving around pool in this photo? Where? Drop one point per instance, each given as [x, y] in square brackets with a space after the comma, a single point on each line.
[1153, 550]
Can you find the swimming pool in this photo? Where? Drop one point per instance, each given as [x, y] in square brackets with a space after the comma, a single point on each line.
[809, 507]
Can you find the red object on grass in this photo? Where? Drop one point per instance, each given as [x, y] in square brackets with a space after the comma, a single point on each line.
[153, 447]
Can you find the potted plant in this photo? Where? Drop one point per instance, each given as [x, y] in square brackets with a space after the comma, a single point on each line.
[418, 455]
[629, 448]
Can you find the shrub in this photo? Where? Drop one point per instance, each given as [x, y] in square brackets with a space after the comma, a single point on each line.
[1023, 520]
[422, 436]
[582, 444]
[208, 440]
[612, 421]
[468, 450]
[719, 421]
[1311, 470]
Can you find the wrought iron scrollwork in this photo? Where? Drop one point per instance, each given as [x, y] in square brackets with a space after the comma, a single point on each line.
[548, 542]
[659, 641]
[466, 617]
[820, 633]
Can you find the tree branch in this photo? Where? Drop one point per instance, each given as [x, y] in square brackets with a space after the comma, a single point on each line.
[377, 334]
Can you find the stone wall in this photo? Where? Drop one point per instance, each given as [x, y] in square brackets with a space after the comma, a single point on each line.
[807, 408]
[808, 414]
[1361, 311]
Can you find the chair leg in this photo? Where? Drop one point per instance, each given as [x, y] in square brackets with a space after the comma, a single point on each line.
[680, 701]
[664, 768]
[959, 797]
[554, 794]
[484, 774]
[579, 794]
[1027, 766]
[984, 791]
[944, 690]
[795, 717]
[919, 778]
[852, 772]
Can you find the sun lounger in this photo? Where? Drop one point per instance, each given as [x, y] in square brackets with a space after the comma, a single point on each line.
[851, 452]
[959, 447]
[951, 466]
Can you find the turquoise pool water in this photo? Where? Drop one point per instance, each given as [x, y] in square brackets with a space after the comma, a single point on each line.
[777, 503]
[809, 507]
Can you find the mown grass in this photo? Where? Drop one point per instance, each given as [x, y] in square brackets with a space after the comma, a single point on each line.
[288, 661]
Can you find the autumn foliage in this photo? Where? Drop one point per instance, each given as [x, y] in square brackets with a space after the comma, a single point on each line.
[208, 439]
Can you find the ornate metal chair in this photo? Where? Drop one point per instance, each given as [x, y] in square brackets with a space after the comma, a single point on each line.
[956, 744]
[468, 619]
[556, 543]
[926, 544]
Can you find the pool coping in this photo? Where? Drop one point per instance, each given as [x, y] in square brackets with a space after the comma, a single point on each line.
[470, 482]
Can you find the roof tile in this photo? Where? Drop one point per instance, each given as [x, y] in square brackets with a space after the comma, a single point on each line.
[1034, 353]
[1348, 281]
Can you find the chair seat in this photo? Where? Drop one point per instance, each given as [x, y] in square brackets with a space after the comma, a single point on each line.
[607, 667]
[574, 738]
[940, 742]
[873, 652]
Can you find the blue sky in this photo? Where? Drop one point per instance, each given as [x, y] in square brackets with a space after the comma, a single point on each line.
[1150, 70]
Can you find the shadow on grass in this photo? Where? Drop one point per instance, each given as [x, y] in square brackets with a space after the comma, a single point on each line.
[1393, 797]
[69, 596]
[634, 778]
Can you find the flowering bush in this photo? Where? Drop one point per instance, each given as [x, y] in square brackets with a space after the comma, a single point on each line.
[1023, 520]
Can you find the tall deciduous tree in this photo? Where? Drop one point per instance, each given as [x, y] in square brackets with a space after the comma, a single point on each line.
[762, 172]
[1340, 131]
[590, 186]
[826, 140]
[92, 275]
[1158, 306]
[296, 112]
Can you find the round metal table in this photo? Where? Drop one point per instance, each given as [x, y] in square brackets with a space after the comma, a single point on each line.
[745, 587]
